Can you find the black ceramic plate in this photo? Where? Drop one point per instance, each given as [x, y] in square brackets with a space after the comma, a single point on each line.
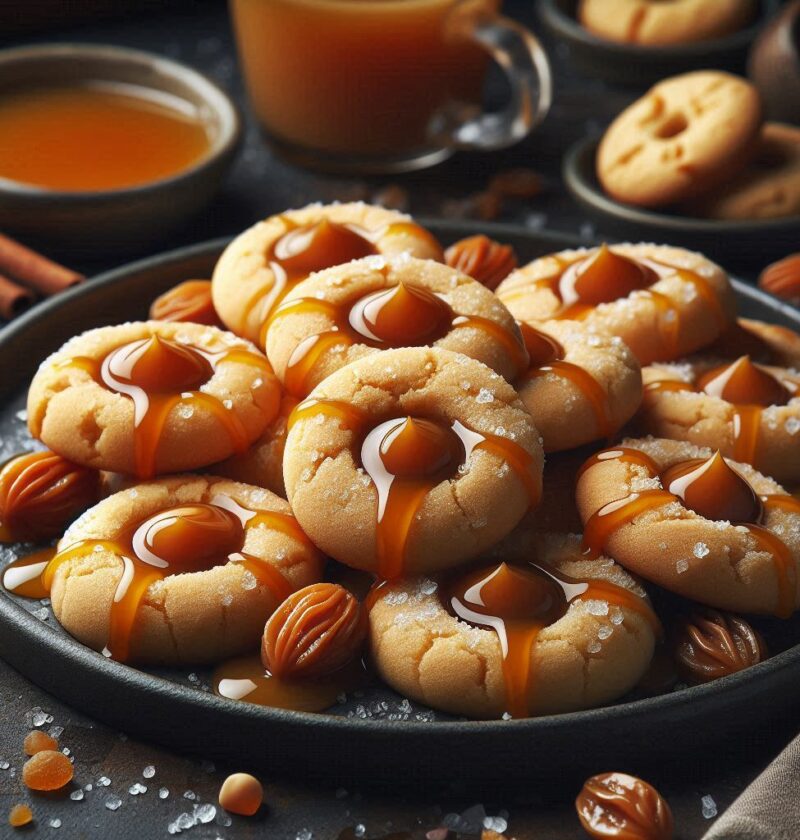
[742, 245]
[638, 66]
[377, 737]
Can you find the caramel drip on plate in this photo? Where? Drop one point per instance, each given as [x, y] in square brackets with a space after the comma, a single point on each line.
[406, 457]
[160, 376]
[517, 602]
[403, 315]
[711, 488]
[245, 678]
[188, 538]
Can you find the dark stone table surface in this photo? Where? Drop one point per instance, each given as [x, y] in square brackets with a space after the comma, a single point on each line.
[108, 765]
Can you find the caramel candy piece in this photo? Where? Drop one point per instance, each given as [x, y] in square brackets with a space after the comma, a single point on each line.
[47, 770]
[37, 741]
[314, 632]
[782, 278]
[242, 794]
[188, 301]
[20, 815]
[624, 807]
[40, 492]
[483, 259]
[710, 644]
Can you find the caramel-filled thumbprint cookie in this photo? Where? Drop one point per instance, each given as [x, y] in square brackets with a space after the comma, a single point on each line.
[411, 460]
[258, 269]
[663, 302]
[580, 384]
[350, 311]
[540, 633]
[748, 410]
[698, 524]
[152, 397]
[262, 463]
[178, 570]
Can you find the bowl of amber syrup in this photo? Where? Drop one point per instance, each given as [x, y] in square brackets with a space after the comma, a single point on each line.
[107, 147]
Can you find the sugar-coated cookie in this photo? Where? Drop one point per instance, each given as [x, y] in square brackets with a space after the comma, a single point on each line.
[152, 397]
[345, 313]
[179, 570]
[411, 460]
[262, 264]
[580, 384]
[767, 188]
[748, 410]
[684, 136]
[700, 525]
[663, 302]
[440, 641]
[655, 23]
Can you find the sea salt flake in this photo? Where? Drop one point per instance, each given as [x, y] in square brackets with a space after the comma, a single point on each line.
[709, 807]
[701, 549]
[103, 781]
[185, 411]
[163, 793]
[484, 396]
[792, 425]
[149, 771]
[205, 813]
[617, 616]
[136, 788]
[228, 404]
[595, 607]
[594, 647]
[304, 834]
[249, 580]
[604, 631]
[76, 795]
[113, 802]
[55, 823]
[682, 566]
[498, 824]
[360, 830]
[189, 794]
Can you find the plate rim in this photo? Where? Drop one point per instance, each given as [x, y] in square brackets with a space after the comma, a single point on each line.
[17, 618]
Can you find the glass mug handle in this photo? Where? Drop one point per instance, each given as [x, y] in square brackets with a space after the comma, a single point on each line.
[525, 64]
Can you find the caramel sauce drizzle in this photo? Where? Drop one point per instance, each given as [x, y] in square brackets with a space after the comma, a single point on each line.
[404, 315]
[748, 387]
[406, 457]
[189, 538]
[303, 249]
[710, 487]
[605, 276]
[517, 602]
[158, 375]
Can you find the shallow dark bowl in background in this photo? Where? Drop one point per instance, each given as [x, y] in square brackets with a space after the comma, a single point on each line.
[638, 66]
[113, 220]
[746, 245]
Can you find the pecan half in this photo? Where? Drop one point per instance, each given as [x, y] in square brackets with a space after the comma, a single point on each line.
[314, 632]
[41, 492]
[709, 644]
[625, 807]
[482, 258]
[782, 278]
[188, 301]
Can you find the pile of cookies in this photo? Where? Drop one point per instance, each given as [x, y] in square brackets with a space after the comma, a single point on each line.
[697, 144]
[340, 441]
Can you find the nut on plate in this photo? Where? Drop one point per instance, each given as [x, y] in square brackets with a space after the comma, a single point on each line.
[41, 492]
[314, 632]
[483, 259]
[188, 301]
[623, 806]
[782, 278]
[709, 644]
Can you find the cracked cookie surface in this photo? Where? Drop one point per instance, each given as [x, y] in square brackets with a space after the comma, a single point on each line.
[591, 655]
[194, 617]
[336, 500]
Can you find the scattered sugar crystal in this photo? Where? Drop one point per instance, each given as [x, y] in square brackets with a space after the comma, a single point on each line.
[503, 470]
[205, 813]
[136, 788]
[709, 807]
[682, 566]
[22, 415]
[43, 614]
[484, 396]
[149, 771]
[228, 404]
[604, 631]
[76, 795]
[662, 546]
[307, 475]
[88, 787]
[189, 794]
[360, 830]
[193, 678]
[163, 793]
[66, 750]
[594, 647]
[103, 781]
[617, 616]
[38, 717]
[113, 802]
[55, 823]
[506, 716]
[465, 386]
[395, 598]
[792, 425]
[500, 431]
[428, 587]
[249, 580]
[498, 824]
[595, 607]
[700, 549]
[304, 834]
[185, 411]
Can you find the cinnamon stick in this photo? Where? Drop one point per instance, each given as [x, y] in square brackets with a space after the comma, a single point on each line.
[35, 270]
[14, 299]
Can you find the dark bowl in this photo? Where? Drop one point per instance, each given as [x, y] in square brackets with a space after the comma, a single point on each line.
[638, 66]
[774, 65]
[110, 220]
[745, 245]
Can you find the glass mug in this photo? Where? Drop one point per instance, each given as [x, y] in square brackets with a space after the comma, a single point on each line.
[386, 85]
